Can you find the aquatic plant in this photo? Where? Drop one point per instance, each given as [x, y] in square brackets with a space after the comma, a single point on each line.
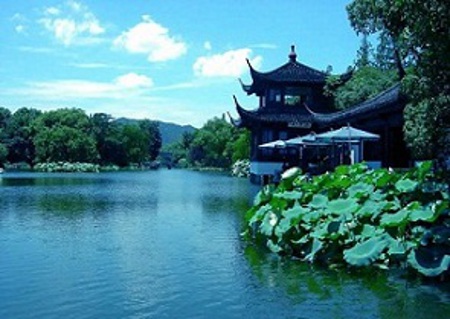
[357, 216]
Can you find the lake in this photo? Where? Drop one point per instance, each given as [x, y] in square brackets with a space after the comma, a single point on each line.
[166, 244]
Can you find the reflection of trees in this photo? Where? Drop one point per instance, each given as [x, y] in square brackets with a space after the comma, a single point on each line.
[365, 293]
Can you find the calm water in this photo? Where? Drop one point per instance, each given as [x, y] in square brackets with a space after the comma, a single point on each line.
[165, 244]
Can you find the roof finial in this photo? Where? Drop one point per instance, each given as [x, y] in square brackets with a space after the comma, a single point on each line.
[292, 55]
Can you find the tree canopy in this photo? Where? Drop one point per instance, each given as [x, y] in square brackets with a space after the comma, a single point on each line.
[70, 135]
[419, 37]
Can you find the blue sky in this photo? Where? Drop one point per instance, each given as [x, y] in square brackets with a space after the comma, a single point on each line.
[170, 60]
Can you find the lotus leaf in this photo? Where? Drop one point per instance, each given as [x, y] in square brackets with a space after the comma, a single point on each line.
[295, 213]
[396, 247]
[264, 195]
[369, 231]
[341, 182]
[312, 216]
[424, 214]
[319, 201]
[274, 247]
[260, 213]
[268, 223]
[383, 178]
[301, 241]
[360, 189]
[371, 208]
[377, 196]
[392, 220]
[428, 263]
[282, 227]
[406, 185]
[289, 195]
[343, 206]
[365, 253]
[320, 232]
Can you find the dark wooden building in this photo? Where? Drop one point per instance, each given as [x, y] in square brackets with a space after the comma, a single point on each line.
[292, 103]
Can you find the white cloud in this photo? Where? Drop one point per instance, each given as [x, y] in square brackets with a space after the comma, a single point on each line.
[124, 86]
[72, 24]
[21, 23]
[228, 64]
[133, 80]
[152, 39]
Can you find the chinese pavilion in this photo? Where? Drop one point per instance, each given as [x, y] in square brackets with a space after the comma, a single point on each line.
[292, 103]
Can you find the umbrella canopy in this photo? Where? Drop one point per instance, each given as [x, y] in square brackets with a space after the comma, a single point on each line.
[274, 144]
[347, 133]
[309, 139]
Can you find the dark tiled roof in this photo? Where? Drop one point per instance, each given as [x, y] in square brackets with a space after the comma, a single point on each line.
[291, 72]
[387, 101]
[283, 117]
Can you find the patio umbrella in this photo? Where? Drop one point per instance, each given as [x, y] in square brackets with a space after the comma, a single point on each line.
[309, 139]
[346, 134]
[274, 144]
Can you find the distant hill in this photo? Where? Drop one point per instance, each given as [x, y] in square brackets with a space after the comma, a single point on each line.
[170, 132]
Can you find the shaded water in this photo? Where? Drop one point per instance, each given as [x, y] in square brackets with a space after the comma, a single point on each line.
[165, 244]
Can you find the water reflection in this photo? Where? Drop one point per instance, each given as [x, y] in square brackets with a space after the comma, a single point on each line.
[364, 294]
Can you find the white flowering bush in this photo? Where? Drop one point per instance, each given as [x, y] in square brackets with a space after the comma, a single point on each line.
[241, 168]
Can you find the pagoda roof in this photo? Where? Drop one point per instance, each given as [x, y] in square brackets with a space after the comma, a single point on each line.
[293, 73]
[262, 116]
[387, 101]
[391, 100]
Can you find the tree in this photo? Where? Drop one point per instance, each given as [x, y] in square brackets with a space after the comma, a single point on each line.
[5, 116]
[212, 144]
[420, 36]
[135, 142]
[64, 135]
[241, 145]
[3, 154]
[366, 82]
[151, 129]
[21, 134]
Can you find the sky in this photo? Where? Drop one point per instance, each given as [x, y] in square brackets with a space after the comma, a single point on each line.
[170, 60]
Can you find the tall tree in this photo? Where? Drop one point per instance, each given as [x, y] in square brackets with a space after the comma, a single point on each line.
[420, 33]
[151, 129]
[21, 134]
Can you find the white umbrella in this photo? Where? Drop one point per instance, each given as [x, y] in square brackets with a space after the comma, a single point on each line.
[347, 133]
[309, 139]
[274, 144]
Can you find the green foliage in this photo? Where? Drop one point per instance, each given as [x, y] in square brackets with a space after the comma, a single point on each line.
[64, 135]
[217, 144]
[358, 217]
[21, 134]
[69, 135]
[3, 154]
[365, 83]
[417, 32]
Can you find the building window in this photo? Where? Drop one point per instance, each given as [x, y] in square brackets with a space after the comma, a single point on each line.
[275, 96]
[296, 96]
